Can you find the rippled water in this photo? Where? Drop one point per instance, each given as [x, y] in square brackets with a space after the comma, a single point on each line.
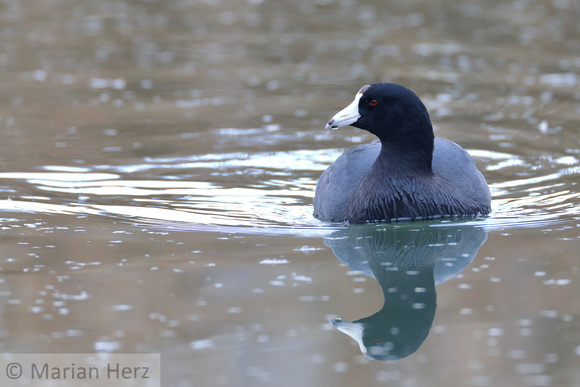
[194, 190]
[158, 163]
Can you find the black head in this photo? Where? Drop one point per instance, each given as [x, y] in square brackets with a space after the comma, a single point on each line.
[396, 116]
[386, 110]
[380, 337]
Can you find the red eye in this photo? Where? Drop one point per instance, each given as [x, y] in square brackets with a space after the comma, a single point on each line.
[377, 341]
[373, 102]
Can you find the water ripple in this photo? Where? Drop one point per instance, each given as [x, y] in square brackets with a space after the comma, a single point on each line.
[279, 202]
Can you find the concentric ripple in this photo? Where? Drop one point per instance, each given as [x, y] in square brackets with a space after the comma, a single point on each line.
[209, 192]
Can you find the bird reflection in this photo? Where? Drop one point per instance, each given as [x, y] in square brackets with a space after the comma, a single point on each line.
[407, 260]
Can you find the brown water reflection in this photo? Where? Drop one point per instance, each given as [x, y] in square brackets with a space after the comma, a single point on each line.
[158, 161]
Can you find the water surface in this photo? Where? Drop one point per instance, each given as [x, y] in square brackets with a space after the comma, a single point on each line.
[159, 159]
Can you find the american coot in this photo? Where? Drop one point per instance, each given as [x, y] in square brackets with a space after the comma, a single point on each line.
[406, 174]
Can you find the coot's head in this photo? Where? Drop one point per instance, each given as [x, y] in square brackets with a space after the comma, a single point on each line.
[379, 340]
[387, 110]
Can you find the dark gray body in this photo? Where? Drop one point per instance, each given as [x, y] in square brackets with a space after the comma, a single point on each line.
[455, 188]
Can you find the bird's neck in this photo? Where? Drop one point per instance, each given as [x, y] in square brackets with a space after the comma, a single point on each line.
[405, 157]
